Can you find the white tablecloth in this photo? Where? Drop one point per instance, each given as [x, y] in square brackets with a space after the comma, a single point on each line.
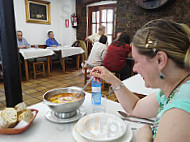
[31, 53]
[136, 84]
[67, 51]
[42, 130]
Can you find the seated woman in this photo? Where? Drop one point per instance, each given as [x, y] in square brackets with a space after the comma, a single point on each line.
[116, 57]
[98, 52]
[161, 51]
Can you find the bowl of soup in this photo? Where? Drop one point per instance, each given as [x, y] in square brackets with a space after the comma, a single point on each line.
[63, 101]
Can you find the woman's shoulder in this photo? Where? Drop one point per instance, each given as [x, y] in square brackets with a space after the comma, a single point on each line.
[183, 92]
[181, 99]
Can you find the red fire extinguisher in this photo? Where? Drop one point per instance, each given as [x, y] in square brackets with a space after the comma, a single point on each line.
[74, 20]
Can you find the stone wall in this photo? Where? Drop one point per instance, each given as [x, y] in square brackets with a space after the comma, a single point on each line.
[130, 17]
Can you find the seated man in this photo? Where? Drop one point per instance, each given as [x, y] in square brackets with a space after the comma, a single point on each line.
[51, 42]
[21, 41]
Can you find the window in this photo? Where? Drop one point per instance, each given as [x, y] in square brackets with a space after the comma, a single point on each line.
[102, 15]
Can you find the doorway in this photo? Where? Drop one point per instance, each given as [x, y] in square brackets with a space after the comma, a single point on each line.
[102, 15]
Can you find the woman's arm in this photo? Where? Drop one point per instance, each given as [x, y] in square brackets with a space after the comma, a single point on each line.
[144, 134]
[146, 107]
[174, 126]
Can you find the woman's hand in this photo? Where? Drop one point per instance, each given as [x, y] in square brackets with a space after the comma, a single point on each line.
[101, 72]
[144, 134]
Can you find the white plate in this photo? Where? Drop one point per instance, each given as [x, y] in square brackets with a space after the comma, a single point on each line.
[80, 113]
[126, 138]
[101, 127]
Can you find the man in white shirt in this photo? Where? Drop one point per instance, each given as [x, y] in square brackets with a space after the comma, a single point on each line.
[96, 36]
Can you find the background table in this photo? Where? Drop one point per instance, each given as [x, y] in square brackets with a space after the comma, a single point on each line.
[31, 53]
[68, 51]
[43, 130]
[136, 84]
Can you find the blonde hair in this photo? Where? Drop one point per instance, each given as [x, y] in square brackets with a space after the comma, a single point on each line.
[168, 36]
[101, 27]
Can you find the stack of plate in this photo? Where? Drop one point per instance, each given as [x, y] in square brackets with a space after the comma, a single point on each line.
[101, 127]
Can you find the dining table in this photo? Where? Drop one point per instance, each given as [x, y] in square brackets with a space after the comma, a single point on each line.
[136, 84]
[43, 130]
[33, 53]
[66, 52]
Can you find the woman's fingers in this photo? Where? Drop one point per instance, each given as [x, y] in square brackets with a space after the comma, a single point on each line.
[101, 72]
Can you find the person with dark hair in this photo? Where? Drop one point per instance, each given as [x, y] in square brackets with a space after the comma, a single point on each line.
[51, 42]
[116, 57]
[98, 52]
[21, 41]
[103, 39]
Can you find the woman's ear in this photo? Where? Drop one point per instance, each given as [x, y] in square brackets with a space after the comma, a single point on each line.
[162, 59]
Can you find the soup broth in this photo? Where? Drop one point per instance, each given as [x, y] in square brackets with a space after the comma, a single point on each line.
[64, 98]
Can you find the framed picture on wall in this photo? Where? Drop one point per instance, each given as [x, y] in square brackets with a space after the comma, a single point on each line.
[37, 11]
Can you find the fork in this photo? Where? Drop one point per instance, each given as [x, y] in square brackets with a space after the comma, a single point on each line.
[125, 115]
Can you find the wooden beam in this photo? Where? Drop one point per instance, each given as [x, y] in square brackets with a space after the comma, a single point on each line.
[9, 50]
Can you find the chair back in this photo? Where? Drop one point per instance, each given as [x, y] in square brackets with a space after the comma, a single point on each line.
[82, 44]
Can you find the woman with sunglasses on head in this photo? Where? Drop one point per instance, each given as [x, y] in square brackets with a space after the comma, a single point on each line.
[161, 52]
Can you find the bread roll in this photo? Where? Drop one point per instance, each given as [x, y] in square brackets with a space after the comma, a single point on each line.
[10, 115]
[26, 116]
[20, 107]
[3, 122]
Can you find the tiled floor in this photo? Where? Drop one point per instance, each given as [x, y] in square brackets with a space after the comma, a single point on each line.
[34, 89]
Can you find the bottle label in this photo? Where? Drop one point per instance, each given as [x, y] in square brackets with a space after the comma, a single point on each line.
[96, 89]
[96, 98]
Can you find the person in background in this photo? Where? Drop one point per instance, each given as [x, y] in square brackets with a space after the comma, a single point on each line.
[161, 52]
[22, 44]
[98, 52]
[21, 41]
[118, 35]
[116, 57]
[96, 36]
[51, 41]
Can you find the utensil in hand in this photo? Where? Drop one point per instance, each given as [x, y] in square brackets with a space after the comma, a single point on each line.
[140, 122]
[125, 115]
[78, 94]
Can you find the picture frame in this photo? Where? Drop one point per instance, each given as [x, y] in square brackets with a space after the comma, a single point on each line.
[37, 11]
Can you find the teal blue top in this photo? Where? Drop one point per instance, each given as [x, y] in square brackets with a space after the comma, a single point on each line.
[180, 98]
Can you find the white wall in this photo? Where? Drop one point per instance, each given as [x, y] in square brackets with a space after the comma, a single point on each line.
[37, 33]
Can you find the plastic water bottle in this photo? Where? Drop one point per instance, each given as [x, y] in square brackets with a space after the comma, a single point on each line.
[96, 96]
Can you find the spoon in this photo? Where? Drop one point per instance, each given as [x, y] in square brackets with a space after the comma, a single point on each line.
[78, 94]
[127, 116]
[139, 122]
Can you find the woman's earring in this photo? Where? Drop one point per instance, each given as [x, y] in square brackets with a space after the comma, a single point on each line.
[162, 76]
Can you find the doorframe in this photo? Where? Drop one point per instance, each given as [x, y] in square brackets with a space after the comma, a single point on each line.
[97, 4]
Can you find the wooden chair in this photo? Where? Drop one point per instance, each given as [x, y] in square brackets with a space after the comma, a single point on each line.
[82, 44]
[86, 74]
[40, 46]
[38, 68]
[104, 82]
